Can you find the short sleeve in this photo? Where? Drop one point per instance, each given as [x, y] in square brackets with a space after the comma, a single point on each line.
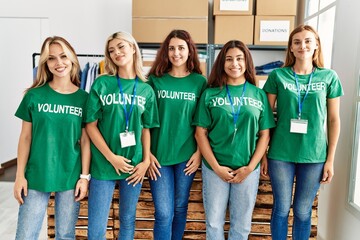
[334, 88]
[24, 110]
[271, 83]
[202, 116]
[150, 117]
[93, 108]
[266, 120]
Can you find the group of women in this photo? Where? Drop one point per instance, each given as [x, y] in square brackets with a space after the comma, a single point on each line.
[165, 125]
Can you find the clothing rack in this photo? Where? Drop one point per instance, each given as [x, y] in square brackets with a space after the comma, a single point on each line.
[78, 55]
[142, 46]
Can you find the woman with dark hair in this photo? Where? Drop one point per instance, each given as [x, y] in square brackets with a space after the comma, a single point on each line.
[233, 120]
[308, 99]
[177, 81]
[54, 149]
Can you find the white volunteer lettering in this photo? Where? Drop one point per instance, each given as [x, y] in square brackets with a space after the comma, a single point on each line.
[247, 101]
[59, 109]
[318, 86]
[176, 95]
[115, 99]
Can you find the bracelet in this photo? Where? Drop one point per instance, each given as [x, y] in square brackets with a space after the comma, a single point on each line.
[87, 177]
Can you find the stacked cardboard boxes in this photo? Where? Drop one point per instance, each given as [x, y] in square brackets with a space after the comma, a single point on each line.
[234, 19]
[153, 20]
[274, 21]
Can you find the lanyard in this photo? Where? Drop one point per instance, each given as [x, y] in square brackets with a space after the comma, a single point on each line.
[237, 113]
[300, 103]
[127, 114]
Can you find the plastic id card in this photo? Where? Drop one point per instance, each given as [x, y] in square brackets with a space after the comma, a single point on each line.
[127, 139]
[298, 126]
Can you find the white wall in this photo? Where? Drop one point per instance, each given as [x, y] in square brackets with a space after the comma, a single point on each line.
[336, 220]
[84, 23]
[87, 24]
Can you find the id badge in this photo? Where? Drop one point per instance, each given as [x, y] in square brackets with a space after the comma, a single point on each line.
[127, 139]
[298, 126]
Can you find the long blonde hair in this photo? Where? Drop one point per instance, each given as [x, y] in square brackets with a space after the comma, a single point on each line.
[43, 73]
[111, 68]
[317, 59]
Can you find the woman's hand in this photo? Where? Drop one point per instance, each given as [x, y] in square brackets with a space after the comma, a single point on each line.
[240, 174]
[121, 164]
[20, 187]
[138, 173]
[81, 189]
[225, 173]
[264, 166]
[328, 172]
[193, 164]
[154, 167]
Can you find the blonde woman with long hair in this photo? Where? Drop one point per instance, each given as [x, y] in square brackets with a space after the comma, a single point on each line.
[54, 149]
[120, 112]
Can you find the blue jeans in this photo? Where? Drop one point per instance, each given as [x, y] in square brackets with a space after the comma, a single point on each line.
[99, 201]
[32, 213]
[308, 177]
[241, 198]
[171, 193]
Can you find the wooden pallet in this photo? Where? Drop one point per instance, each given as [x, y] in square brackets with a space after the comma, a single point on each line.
[195, 226]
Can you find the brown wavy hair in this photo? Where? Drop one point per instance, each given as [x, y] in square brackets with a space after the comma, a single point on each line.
[218, 76]
[162, 63]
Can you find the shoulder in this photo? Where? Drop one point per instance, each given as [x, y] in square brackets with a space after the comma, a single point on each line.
[213, 91]
[197, 79]
[280, 71]
[82, 92]
[326, 71]
[256, 90]
[103, 80]
[38, 90]
[144, 85]
[105, 77]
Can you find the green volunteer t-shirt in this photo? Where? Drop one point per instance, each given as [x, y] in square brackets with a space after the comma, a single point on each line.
[54, 162]
[214, 113]
[105, 104]
[177, 98]
[297, 147]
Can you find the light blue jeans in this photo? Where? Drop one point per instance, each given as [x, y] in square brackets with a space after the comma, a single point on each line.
[32, 213]
[99, 201]
[171, 193]
[308, 177]
[241, 198]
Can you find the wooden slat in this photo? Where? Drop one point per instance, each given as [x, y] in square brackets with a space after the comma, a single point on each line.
[195, 226]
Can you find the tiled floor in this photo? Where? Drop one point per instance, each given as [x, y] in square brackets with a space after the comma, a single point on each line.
[8, 213]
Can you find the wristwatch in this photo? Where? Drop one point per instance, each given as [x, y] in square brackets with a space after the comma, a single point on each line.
[87, 177]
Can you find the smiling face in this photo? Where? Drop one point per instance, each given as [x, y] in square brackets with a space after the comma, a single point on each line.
[121, 52]
[235, 66]
[178, 52]
[303, 45]
[58, 62]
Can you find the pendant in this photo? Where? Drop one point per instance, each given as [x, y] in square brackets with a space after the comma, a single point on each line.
[234, 135]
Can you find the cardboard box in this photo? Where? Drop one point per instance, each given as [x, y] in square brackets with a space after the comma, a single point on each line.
[276, 7]
[233, 7]
[260, 80]
[273, 30]
[234, 27]
[155, 30]
[170, 8]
